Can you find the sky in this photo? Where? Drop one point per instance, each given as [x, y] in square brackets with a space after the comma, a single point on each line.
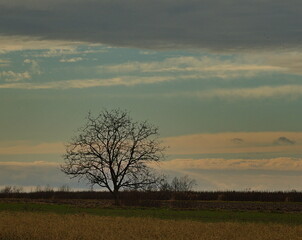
[220, 78]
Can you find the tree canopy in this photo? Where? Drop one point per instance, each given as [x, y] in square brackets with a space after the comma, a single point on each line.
[113, 151]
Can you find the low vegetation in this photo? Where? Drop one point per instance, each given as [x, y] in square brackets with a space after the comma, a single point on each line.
[65, 192]
[158, 213]
[75, 218]
[49, 226]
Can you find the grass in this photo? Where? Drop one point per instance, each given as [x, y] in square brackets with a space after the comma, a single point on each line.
[160, 213]
[50, 226]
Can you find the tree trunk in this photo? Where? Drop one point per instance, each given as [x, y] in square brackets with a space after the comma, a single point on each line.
[116, 198]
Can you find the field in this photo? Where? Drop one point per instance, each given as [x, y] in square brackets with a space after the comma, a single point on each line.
[50, 226]
[159, 213]
[75, 218]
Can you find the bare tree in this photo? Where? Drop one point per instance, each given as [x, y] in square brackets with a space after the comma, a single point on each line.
[182, 184]
[177, 184]
[113, 151]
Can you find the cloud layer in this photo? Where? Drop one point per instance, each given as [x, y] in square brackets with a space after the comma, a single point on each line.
[32, 174]
[26, 147]
[184, 68]
[208, 66]
[212, 24]
[211, 174]
[288, 92]
[236, 142]
[273, 174]
[10, 76]
[19, 43]
[274, 164]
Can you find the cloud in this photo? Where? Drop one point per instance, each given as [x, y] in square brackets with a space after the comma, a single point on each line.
[71, 60]
[284, 141]
[254, 142]
[289, 60]
[20, 43]
[274, 174]
[87, 83]
[211, 24]
[33, 174]
[26, 147]
[147, 52]
[30, 173]
[4, 63]
[35, 68]
[211, 174]
[208, 66]
[128, 74]
[237, 140]
[262, 92]
[30, 164]
[221, 143]
[274, 164]
[10, 76]
[59, 52]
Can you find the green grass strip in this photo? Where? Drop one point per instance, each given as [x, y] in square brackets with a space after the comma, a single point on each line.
[195, 215]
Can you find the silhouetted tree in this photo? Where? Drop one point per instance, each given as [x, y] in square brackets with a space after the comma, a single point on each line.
[177, 184]
[182, 184]
[113, 151]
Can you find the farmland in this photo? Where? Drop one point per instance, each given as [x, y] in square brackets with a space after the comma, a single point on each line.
[50, 226]
[49, 215]
[158, 213]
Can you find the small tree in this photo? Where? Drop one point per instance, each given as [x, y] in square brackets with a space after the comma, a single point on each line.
[113, 151]
[182, 184]
[177, 184]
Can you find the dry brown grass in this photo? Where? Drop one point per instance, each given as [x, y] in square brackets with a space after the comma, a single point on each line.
[42, 226]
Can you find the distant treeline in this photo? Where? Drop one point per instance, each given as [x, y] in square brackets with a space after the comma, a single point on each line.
[255, 196]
